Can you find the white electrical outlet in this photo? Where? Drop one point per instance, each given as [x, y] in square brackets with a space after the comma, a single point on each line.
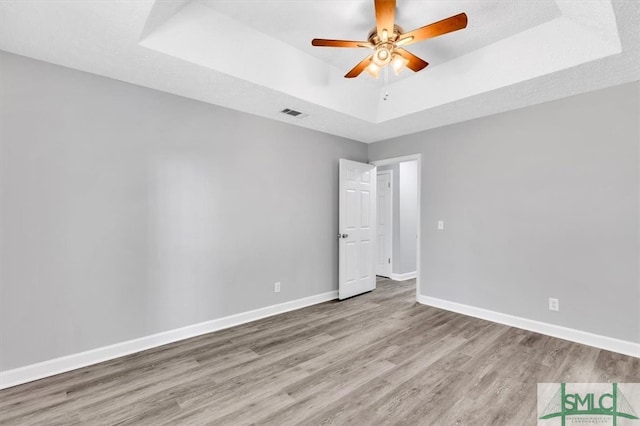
[554, 304]
[276, 287]
[440, 225]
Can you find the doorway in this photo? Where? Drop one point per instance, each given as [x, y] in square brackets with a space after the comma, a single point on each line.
[384, 222]
[398, 218]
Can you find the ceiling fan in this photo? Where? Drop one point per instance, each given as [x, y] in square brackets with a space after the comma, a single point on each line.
[388, 40]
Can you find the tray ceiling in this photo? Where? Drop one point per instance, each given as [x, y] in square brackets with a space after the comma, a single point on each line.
[256, 56]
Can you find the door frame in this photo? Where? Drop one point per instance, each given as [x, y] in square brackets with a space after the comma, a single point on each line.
[390, 173]
[418, 158]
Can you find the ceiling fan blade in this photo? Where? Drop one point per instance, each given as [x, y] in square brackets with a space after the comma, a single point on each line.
[385, 18]
[415, 63]
[340, 43]
[355, 71]
[453, 23]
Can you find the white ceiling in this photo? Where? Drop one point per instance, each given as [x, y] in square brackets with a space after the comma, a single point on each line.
[296, 23]
[256, 56]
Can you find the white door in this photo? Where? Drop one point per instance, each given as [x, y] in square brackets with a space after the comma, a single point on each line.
[384, 226]
[357, 228]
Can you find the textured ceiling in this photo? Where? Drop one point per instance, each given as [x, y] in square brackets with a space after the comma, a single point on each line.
[256, 56]
[296, 23]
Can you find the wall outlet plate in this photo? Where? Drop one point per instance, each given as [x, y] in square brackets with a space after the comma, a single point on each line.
[554, 304]
[276, 287]
[440, 225]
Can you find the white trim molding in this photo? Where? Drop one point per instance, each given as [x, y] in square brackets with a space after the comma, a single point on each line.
[403, 277]
[573, 335]
[66, 363]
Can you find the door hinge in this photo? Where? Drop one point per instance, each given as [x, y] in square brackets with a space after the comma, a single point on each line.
[389, 260]
[388, 184]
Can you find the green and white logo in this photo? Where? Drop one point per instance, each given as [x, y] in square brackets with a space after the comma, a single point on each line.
[561, 404]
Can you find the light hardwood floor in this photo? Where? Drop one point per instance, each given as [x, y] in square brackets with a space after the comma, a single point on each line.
[379, 358]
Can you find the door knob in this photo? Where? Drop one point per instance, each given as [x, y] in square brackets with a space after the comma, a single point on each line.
[343, 235]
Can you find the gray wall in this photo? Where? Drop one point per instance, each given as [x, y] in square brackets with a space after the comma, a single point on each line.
[126, 211]
[539, 202]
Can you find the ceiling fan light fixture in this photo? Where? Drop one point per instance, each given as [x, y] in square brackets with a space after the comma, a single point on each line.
[382, 56]
[398, 63]
[373, 70]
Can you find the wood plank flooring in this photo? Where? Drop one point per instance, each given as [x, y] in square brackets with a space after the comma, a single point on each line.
[376, 359]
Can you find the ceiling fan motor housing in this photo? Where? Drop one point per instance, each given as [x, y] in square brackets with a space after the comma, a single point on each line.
[375, 40]
[384, 48]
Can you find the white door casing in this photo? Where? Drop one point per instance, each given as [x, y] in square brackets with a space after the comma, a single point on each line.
[357, 219]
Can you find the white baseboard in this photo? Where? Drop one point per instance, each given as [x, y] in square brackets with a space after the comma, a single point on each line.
[573, 335]
[403, 277]
[51, 367]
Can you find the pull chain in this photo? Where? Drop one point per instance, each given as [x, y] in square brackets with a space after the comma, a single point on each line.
[386, 83]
